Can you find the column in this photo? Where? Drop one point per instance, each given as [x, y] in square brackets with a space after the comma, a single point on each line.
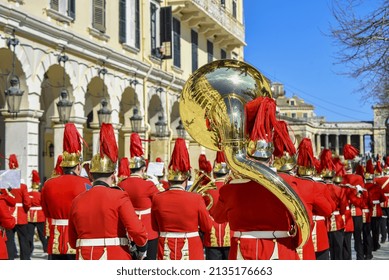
[337, 144]
[362, 144]
[326, 141]
[318, 144]
[22, 139]
[348, 139]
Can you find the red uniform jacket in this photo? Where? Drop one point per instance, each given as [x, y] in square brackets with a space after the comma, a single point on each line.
[355, 198]
[377, 197]
[383, 182]
[220, 234]
[57, 196]
[141, 193]
[7, 221]
[339, 196]
[248, 206]
[23, 203]
[177, 214]
[316, 202]
[35, 213]
[102, 213]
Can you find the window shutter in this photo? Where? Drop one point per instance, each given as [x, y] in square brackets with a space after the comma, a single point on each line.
[177, 42]
[122, 21]
[137, 24]
[99, 15]
[166, 22]
[194, 40]
[72, 9]
[54, 4]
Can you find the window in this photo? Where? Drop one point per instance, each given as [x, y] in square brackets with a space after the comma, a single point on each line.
[177, 42]
[293, 115]
[64, 7]
[223, 54]
[305, 115]
[291, 102]
[129, 26]
[99, 15]
[194, 39]
[234, 9]
[210, 51]
[154, 30]
[223, 3]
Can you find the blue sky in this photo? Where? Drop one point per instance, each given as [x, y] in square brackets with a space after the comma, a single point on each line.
[289, 42]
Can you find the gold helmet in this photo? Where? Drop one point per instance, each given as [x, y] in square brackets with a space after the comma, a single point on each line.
[71, 146]
[136, 151]
[305, 158]
[327, 167]
[105, 160]
[179, 166]
[220, 166]
[284, 149]
[35, 180]
[369, 172]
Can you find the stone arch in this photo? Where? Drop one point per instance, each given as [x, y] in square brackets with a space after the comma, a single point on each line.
[154, 110]
[174, 116]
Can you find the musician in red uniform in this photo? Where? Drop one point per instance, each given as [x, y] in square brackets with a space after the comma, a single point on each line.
[58, 193]
[36, 217]
[354, 193]
[313, 196]
[22, 204]
[7, 222]
[383, 182]
[179, 215]
[258, 234]
[141, 192]
[217, 241]
[102, 220]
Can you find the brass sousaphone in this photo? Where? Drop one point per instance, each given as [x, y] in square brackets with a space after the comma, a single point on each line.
[212, 111]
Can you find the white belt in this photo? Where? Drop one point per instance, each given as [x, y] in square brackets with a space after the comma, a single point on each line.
[143, 212]
[365, 210]
[386, 194]
[19, 205]
[376, 202]
[336, 213]
[262, 234]
[318, 218]
[59, 222]
[114, 241]
[36, 208]
[347, 208]
[178, 234]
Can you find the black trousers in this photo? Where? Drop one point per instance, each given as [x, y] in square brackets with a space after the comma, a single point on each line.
[24, 245]
[56, 257]
[384, 224]
[367, 241]
[347, 254]
[358, 245]
[31, 232]
[336, 244]
[375, 231]
[152, 249]
[217, 253]
[323, 255]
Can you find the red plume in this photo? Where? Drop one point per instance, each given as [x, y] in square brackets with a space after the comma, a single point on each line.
[158, 159]
[35, 177]
[124, 167]
[369, 167]
[58, 169]
[378, 167]
[350, 152]
[339, 167]
[265, 118]
[282, 142]
[360, 170]
[387, 162]
[108, 145]
[180, 157]
[136, 149]
[72, 139]
[326, 160]
[13, 162]
[204, 164]
[305, 153]
[220, 157]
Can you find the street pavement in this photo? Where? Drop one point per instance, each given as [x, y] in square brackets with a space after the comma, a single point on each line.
[381, 254]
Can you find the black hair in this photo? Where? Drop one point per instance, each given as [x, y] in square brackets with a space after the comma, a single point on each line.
[97, 175]
[69, 170]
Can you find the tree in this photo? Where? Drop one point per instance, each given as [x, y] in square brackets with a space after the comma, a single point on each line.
[363, 38]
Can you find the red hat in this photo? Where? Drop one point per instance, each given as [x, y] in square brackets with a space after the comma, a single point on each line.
[179, 166]
[158, 159]
[260, 123]
[305, 158]
[72, 141]
[105, 161]
[378, 168]
[220, 165]
[124, 169]
[360, 170]
[204, 164]
[369, 172]
[13, 162]
[36, 180]
[350, 152]
[387, 162]
[327, 167]
[136, 152]
[58, 169]
[340, 171]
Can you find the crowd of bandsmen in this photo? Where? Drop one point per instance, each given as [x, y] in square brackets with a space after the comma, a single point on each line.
[98, 210]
